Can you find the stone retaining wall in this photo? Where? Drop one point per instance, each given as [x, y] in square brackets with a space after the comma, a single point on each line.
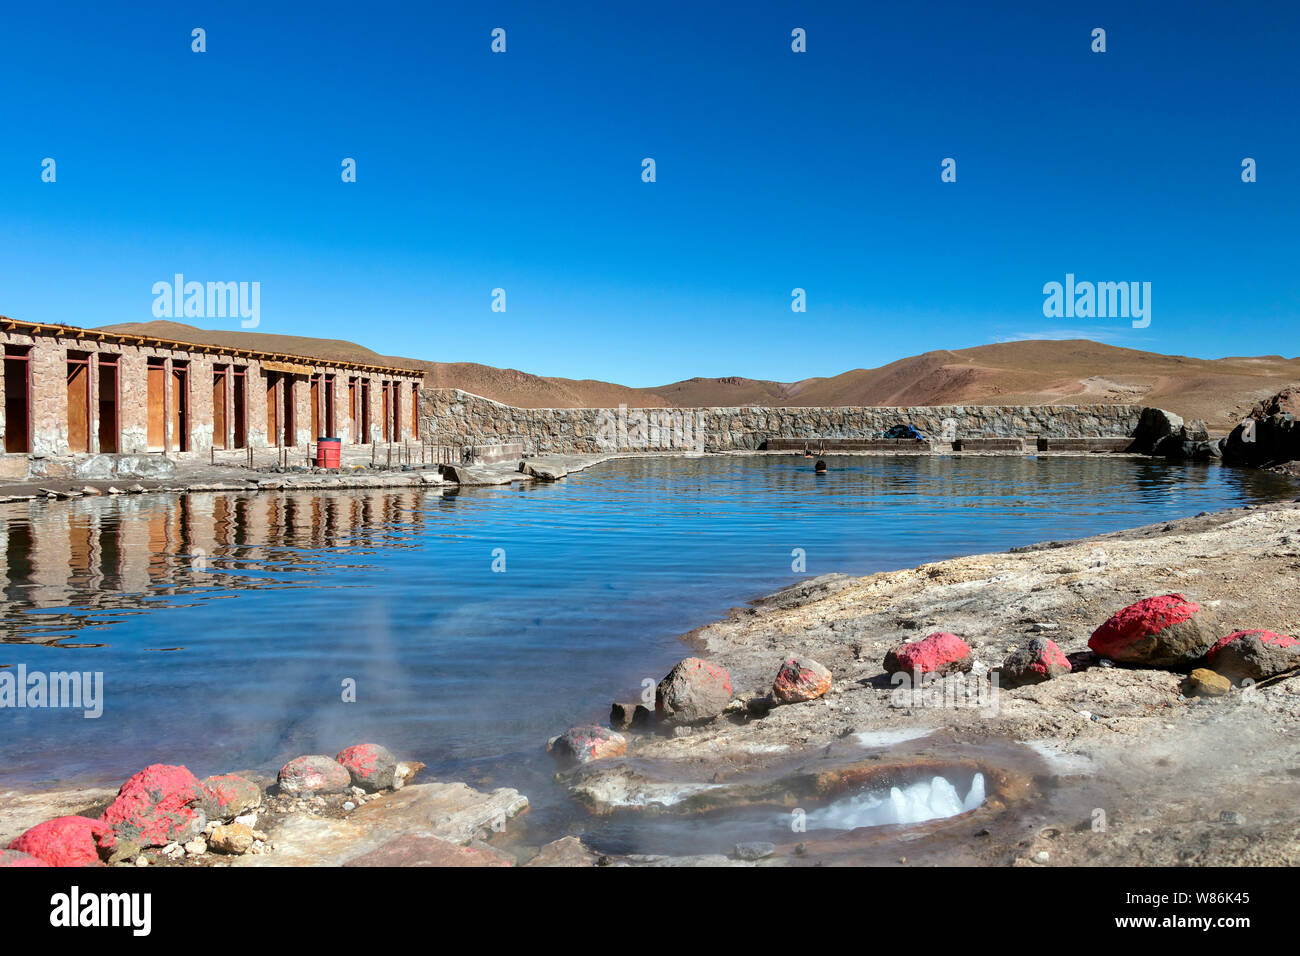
[454, 417]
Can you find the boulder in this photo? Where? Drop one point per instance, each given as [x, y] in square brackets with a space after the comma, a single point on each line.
[1254, 655]
[18, 858]
[694, 690]
[371, 767]
[313, 774]
[542, 470]
[234, 839]
[800, 679]
[67, 841]
[1039, 660]
[1203, 682]
[407, 770]
[939, 653]
[579, 745]
[630, 716]
[1168, 631]
[754, 851]
[1153, 425]
[229, 795]
[161, 804]
[1269, 434]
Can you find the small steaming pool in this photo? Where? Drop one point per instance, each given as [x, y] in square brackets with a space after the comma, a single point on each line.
[919, 802]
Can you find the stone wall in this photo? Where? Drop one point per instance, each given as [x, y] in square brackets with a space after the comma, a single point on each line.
[453, 417]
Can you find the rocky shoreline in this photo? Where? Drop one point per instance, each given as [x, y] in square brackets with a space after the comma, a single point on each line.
[1091, 756]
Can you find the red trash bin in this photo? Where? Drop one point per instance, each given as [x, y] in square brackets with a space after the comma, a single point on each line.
[328, 452]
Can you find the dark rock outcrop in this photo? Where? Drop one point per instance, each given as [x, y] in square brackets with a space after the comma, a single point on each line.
[1269, 435]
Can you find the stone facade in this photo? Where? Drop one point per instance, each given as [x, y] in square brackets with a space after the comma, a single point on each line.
[453, 417]
[48, 362]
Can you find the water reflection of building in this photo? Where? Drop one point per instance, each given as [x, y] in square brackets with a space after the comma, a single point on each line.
[79, 561]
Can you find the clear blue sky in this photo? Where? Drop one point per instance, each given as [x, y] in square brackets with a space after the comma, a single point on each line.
[775, 170]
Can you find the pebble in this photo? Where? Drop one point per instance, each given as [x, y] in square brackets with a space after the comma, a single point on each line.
[1042, 856]
[349, 806]
[1233, 817]
[196, 847]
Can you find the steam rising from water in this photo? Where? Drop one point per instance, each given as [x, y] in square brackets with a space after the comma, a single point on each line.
[927, 800]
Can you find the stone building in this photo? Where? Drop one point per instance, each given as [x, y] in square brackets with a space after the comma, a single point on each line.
[71, 391]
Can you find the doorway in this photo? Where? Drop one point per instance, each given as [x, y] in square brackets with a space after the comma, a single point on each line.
[78, 386]
[156, 399]
[219, 377]
[106, 366]
[17, 400]
[180, 406]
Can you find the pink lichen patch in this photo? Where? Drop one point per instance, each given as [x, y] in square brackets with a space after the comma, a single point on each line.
[1254, 655]
[1050, 660]
[156, 807]
[1137, 621]
[67, 841]
[1268, 638]
[938, 653]
[1164, 631]
[313, 773]
[228, 795]
[800, 679]
[694, 690]
[587, 743]
[370, 766]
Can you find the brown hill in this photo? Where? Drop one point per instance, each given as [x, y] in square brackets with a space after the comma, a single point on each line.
[1221, 390]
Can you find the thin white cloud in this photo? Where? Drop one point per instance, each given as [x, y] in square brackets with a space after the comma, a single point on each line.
[1110, 336]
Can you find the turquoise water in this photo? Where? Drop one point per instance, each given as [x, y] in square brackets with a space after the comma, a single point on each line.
[226, 625]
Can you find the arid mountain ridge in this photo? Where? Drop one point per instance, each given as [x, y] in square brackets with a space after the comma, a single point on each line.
[1074, 371]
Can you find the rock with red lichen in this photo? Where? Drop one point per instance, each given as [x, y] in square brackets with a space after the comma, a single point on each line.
[1039, 660]
[228, 795]
[693, 691]
[800, 679]
[1254, 655]
[161, 804]
[314, 774]
[67, 841]
[1168, 631]
[587, 743]
[18, 858]
[939, 653]
[371, 766]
